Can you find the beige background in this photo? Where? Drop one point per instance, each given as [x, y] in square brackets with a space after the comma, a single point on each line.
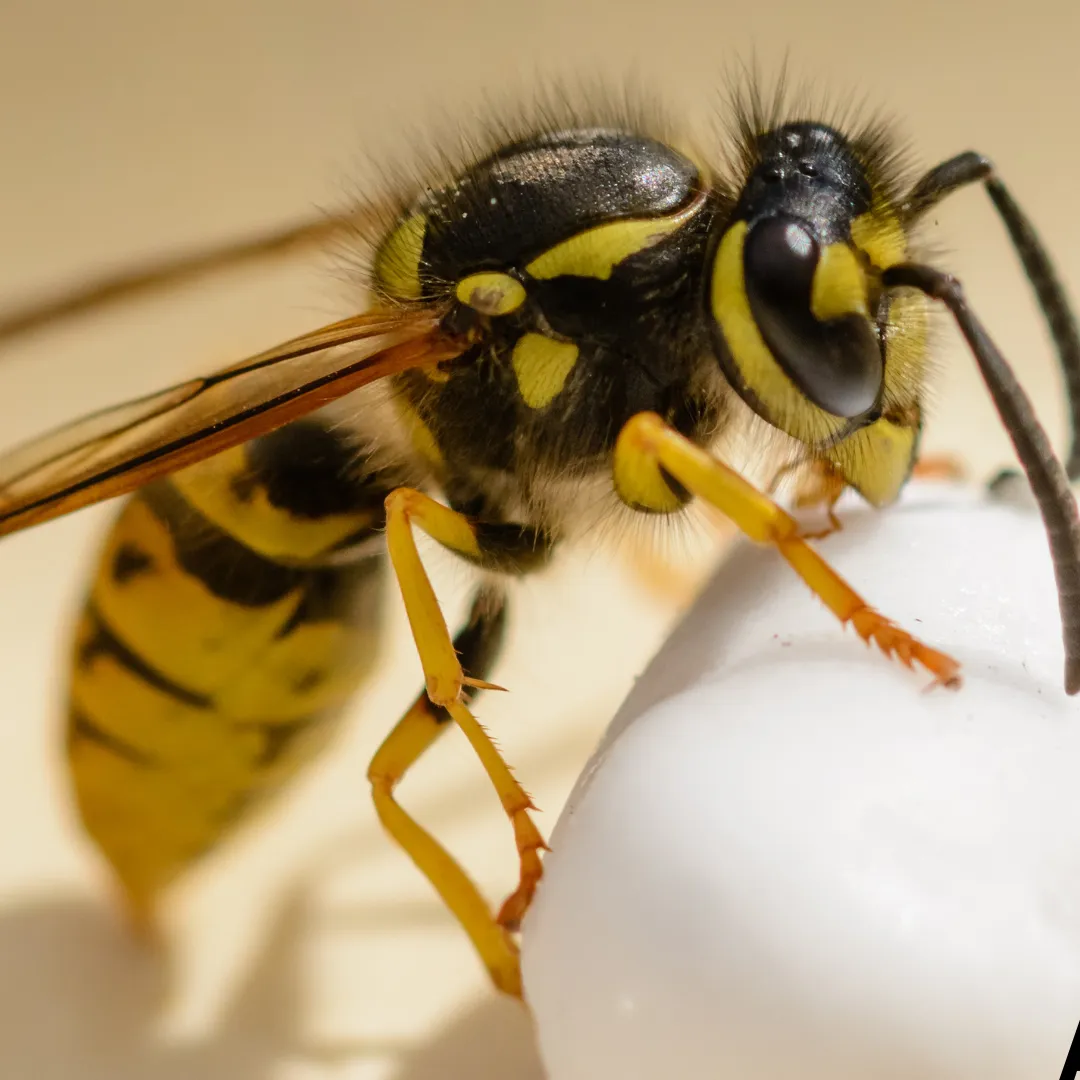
[311, 948]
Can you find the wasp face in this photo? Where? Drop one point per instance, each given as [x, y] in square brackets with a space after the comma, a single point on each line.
[794, 297]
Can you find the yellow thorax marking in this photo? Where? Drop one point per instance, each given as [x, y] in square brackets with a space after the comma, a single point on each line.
[397, 262]
[491, 293]
[542, 365]
[596, 252]
[786, 406]
[423, 440]
[839, 286]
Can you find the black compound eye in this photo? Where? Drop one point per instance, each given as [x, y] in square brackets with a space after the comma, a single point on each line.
[837, 364]
[779, 262]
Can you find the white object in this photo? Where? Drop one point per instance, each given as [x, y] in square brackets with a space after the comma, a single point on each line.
[789, 861]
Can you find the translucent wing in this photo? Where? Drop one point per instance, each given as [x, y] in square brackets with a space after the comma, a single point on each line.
[119, 449]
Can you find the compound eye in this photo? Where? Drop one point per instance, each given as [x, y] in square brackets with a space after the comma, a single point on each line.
[780, 257]
[836, 362]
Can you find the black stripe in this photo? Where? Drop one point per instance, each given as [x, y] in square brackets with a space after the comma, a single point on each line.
[228, 568]
[80, 726]
[104, 642]
[278, 737]
[129, 562]
[336, 595]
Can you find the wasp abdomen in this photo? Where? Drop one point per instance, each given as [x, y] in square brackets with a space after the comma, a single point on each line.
[216, 649]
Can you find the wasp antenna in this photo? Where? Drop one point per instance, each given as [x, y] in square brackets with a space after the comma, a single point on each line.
[1053, 301]
[969, 168]
[1045, 473]
[174, 270]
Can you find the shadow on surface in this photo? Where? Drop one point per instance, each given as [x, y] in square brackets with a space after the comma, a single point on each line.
[80, 999]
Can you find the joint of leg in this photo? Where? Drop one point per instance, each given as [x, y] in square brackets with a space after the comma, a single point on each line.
[381, 781]
[399, 501]
[520, 804]
[641, 429]
[780, 528]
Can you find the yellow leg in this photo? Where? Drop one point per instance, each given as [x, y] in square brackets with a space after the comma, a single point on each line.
[821, 484]
[414, 733]
[647, 449]
[417, 730]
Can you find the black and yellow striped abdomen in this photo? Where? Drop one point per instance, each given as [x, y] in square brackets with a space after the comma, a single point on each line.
[218, 646]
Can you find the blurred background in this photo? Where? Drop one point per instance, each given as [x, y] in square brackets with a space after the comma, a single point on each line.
[310, 947]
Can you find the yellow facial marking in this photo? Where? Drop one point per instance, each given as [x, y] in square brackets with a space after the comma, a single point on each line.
[213, 487]
[880, 235]
[491, 293]
[785, 405]
[397, 263]
[906, 341]
[877, 460]
[542, 365]
[839, 286]
[596, 252]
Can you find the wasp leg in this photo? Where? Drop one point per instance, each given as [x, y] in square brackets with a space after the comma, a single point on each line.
[478, 645]
[648, 453]
[447, 690]
[821, 486]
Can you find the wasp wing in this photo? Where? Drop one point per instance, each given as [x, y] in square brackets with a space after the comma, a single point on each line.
[119, 449]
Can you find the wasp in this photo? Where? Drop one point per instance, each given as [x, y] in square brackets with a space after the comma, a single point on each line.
[563, 328]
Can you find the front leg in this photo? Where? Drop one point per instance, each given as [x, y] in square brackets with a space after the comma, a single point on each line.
[650, 457]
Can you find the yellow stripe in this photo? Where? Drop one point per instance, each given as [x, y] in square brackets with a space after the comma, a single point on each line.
[179, 627]
[839, 286]
[880, 235]
[596, 252]
[397, 262]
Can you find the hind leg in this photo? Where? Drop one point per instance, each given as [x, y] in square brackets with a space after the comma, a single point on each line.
[493, 546]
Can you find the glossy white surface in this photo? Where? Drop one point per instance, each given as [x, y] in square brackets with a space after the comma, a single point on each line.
[787, 860]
